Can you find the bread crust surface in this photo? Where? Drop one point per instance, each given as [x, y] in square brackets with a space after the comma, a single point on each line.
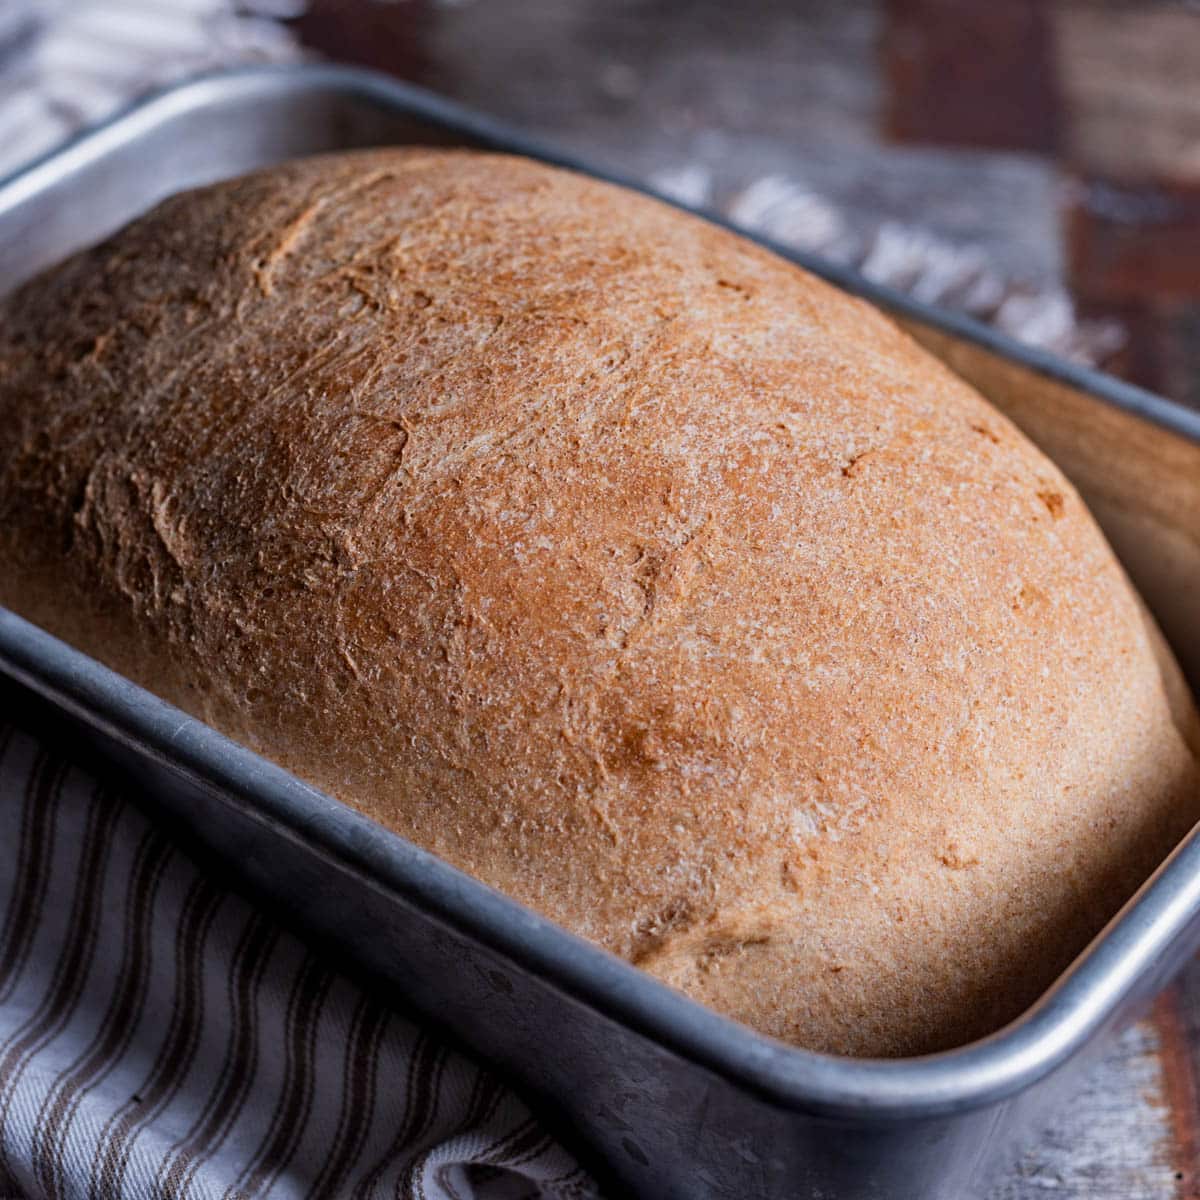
[627, 567]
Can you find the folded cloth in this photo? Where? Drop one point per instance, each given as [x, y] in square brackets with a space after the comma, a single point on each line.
[161, 1037]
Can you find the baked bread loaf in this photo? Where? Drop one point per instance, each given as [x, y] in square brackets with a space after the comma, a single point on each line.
[622, 564]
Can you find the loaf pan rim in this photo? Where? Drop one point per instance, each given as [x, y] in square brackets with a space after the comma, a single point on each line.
[1083, 1000]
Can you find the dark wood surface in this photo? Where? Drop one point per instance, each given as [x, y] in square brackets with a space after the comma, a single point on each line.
[1047, 152]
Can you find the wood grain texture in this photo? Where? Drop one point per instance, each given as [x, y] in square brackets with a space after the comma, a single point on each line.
[1171, 1020]
[1127, 77]
[1115, 1142]
[963, 73]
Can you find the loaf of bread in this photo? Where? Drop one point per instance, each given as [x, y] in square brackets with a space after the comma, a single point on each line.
[622, 564]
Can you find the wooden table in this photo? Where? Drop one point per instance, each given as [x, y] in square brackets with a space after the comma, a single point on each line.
[1052, 149]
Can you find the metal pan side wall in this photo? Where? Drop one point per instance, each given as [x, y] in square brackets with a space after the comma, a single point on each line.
[677, 1101]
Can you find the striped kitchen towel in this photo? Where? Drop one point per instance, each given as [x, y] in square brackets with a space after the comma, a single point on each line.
[160, 1037]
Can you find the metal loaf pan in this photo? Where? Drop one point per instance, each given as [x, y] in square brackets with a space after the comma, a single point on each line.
[668, 1099]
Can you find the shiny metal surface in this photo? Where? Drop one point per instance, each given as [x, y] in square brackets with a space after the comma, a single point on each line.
[671, 1099]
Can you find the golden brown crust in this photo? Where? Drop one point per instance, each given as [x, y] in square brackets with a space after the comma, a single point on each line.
[629, 568]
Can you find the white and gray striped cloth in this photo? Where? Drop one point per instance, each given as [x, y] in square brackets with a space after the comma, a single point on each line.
[161, 1038]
